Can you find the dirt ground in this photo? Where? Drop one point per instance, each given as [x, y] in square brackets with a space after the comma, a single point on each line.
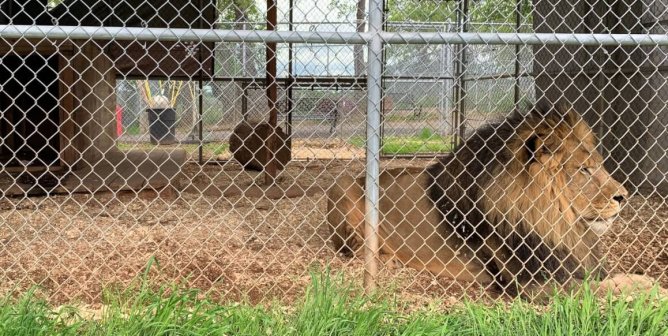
[236, 246]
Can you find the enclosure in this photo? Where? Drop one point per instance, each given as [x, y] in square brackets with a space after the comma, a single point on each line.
[93, 189]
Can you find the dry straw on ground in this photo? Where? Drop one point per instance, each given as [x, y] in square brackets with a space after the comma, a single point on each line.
[236, 246]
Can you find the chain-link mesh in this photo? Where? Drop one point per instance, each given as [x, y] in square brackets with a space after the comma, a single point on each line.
[236, 171]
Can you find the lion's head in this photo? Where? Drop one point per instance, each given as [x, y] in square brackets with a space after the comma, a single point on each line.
[529, 195]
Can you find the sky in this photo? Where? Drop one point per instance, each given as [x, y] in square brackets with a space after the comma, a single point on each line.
[311, 59]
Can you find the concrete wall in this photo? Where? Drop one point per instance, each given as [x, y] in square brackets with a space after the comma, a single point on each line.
[620, 90]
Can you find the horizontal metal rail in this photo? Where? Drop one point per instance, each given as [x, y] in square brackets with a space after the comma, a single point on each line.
[261, 36]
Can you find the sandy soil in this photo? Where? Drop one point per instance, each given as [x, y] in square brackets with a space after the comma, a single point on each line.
[236, 246]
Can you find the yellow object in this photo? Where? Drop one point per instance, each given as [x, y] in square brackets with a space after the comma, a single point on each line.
[147, 96]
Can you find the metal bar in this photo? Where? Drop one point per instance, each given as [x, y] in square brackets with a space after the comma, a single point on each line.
[290, 107]
[244, 101]
[414, 24]
[525, 39]
[443, 103]
[460, 70]
[178, 34]
[200, 123]
[288, 126]
[361, 82]
[285, 82]
[456, 81]
[411, 79]
[497, 76]
[374, 96]
[382, 81]
[261, 36]
[200, 99]
[272, 95]
[462, 97]
[306, 80]
[614, 71]
[425, 155]
[518, 19]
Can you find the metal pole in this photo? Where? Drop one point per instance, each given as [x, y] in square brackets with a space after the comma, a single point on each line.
[458, 91]
[374, 96]
[518, 21]
[443, 104]
[382, 82]
[457, 80]
[462, 21]
[260, 36]
[200, 108]
[244, 100]
[272, 93]
[200, 98]
[288, 126]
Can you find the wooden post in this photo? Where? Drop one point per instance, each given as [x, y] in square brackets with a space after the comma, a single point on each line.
[272, 95]
[68, 153]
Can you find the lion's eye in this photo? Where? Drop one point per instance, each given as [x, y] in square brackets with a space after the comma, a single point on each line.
[586, 170]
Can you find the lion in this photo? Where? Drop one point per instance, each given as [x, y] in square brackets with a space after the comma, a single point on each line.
[520, 204]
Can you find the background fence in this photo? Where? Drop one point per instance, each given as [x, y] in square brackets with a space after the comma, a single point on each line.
[88, 198]
[418, 88]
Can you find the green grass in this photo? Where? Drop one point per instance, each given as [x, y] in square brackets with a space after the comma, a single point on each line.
[424, 142]
[411, 116]
[133, 129]
[209, 150]
[332, 307]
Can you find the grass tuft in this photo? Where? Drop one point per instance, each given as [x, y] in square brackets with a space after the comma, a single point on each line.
[331, 306]
[209, 150]
[425, 141]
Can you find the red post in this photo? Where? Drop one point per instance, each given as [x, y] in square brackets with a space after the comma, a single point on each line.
[119, 121]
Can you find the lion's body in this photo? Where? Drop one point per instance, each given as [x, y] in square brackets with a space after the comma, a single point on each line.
[518, 203]
[410, 228]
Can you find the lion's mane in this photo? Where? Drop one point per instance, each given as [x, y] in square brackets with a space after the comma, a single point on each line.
[487, 195]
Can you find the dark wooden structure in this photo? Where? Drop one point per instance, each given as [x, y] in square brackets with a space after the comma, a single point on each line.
[58, 98]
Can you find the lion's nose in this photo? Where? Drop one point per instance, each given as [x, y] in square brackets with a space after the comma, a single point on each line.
[619, 198]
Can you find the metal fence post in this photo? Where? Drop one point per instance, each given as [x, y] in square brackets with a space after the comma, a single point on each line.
[374, 96]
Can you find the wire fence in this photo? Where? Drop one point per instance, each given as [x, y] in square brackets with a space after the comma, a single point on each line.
[418, 82]
[422, 148]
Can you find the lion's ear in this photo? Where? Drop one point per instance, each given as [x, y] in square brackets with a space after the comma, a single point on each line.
[535, 148]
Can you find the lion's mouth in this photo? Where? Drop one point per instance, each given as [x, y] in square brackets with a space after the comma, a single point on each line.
[599, 225]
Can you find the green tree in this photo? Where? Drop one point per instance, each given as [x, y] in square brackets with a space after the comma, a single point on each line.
[421, 15]
[499, 11]
[239, 59]
[496, 11]
[239, 12]
[420, 10]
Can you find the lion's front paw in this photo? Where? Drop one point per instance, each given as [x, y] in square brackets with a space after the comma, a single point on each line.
[390, 261]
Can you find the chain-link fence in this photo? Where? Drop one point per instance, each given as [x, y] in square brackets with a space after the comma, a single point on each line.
[417, 145]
